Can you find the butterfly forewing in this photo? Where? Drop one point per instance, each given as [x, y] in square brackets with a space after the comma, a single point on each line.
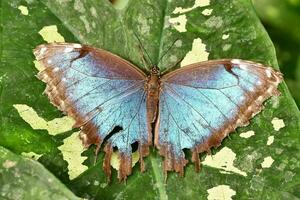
[202, 103]
[100, 91]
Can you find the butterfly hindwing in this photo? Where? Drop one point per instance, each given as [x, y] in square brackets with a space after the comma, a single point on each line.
[202, 103]
[100, 91]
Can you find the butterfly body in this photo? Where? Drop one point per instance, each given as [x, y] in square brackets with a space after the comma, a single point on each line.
[153, 88]
[194, 107]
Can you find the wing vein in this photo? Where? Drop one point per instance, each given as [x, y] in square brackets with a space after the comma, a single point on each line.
[174, 92]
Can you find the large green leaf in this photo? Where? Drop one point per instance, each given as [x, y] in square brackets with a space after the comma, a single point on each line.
[248, 171]
[23, 178]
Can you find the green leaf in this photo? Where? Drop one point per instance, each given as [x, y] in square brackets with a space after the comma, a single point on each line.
[23, 178]
[232, 30]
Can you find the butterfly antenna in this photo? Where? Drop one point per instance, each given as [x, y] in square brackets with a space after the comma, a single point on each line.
[165, 53]
[144, 50]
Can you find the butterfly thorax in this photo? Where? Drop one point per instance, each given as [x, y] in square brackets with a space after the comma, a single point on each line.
[153, 88]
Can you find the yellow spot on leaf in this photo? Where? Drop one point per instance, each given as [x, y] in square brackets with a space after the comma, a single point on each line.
[54, 127]
[207, 12]
[78, 5]
[50, 34]
[31, 155]
[72, 147]
[268, 161]
[38, 65]
[198, 3]
[23, 9]
[225, 36]
[179, 23]
[277, 124]
[226, 47]
[115, 161]
[120, 4]
[214, 22]
[220, 192]
[224, 160]
[9, 164]
[270, 140]
[71, 151]
[247, 134]
[86, 23]
[197, 54]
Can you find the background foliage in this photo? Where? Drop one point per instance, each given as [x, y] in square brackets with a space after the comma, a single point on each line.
[111, 28]
[281, 17]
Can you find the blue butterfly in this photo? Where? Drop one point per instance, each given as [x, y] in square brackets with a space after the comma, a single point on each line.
[194, 107]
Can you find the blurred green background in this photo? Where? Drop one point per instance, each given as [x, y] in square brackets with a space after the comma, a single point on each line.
[281, 18]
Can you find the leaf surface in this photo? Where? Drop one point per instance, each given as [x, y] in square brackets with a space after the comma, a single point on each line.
[231, 30]
[24, 178]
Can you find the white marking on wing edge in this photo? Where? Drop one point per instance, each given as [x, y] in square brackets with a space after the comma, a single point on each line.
[77, 46]
[68, 49]
[55, 69]
[259, 82]
[269, 72]
[260, 98]
[62, 104]
[235, 61]
[243, 66]
[270, 89]
[43, 50]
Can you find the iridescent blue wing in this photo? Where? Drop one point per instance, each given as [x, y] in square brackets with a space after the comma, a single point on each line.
[202, 103]
[101, 91]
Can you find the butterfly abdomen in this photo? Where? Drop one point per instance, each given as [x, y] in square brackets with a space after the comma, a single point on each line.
[152, 89]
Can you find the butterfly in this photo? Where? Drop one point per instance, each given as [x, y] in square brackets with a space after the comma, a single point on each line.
[194, 107]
